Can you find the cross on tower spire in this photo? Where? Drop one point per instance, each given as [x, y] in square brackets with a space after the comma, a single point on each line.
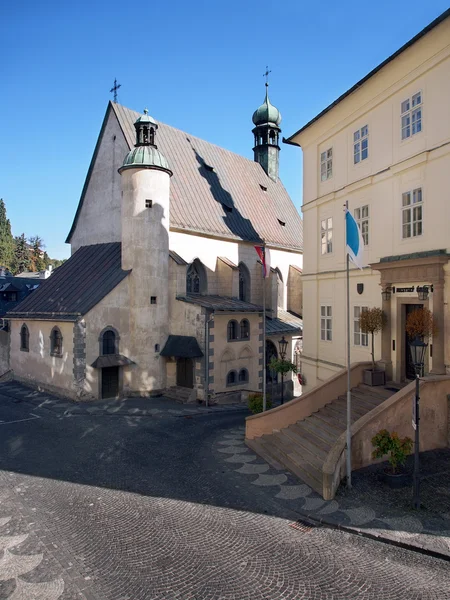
[266, 75]
[114, 89]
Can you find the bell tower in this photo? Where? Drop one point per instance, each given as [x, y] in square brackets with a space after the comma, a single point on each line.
[267, 119]
[145, 250]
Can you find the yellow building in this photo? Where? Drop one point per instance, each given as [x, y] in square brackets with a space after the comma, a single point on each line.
[383, 147]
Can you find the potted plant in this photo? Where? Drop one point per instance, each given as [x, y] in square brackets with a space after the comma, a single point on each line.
[397, 451]
[372, 321]
[255, 403]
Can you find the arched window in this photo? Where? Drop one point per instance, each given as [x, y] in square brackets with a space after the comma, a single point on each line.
[244, 283]
[109, 342]
[243, 376]
[245, 329]
[231, 378]
[196, 278]
[232, 330]
[272, 136]
[152, 136]
[24, 338]
[56, 341]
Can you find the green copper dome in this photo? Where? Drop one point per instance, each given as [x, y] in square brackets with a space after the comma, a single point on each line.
[266, 113]
[145, 156]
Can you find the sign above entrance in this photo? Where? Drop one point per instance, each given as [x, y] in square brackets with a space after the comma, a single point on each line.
[411, 289]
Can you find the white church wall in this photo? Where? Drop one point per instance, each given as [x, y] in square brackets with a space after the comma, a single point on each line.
[100, 218]
[112, 311]
[37, 366]
[207, 249]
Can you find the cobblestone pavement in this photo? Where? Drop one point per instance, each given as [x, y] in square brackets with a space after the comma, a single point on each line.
[135, 508]
[370, 507]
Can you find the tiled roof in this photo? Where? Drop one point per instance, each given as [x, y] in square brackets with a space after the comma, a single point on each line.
[216, 192]
[221, 303]
[181, 346]
[76, 286]
[286, 322]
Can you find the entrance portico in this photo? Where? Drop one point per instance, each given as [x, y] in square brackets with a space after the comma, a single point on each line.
[403, 276]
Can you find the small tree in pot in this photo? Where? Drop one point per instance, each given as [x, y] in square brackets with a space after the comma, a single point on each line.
[372, 320]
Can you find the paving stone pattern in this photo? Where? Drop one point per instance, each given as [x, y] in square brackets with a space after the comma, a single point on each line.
[363, 508]
[138, 508]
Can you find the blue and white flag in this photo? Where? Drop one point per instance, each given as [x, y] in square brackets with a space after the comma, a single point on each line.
[354, 240]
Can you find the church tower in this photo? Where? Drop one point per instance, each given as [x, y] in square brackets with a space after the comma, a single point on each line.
[267, 119]
[145, 250]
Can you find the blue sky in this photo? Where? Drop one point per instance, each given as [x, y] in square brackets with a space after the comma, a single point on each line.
[196, 65]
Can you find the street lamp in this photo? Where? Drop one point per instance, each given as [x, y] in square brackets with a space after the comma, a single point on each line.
[283, 347]
[422, 292]
[386, 293]
[417, 348]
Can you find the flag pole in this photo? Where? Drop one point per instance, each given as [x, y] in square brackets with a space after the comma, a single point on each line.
[349, 395]
[264, 329]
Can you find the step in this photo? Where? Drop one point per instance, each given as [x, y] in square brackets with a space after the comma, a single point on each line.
[303, 442]
[333, 428]
[324, 433]
[338, 421]
[372, 398]
[290, 448]
[303, 431]
[271, 453]
[258, 446]
[362, 404]
[375, 390]
[340, 408]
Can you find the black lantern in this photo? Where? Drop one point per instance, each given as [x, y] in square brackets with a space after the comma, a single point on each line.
[422, 292]
[283, 347]
[386, 293]
[417, 348]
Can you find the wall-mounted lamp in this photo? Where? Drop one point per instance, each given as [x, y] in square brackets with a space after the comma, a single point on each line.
[386, 293]
[422, 292]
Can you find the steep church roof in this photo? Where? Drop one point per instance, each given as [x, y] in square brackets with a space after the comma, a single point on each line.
[76, 286]
[216, 192]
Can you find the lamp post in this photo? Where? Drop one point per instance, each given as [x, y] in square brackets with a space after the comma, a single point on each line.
[283, 346]
[417, 348]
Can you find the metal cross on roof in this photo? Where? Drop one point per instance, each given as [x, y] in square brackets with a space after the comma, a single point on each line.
[114, 89]
[266, 75]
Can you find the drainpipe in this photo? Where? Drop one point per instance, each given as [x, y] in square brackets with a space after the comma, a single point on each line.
[208, 318]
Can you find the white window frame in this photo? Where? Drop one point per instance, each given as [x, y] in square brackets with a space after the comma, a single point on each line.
[326, 164]
[326, 236]
[326, 323]
[361, 144]
[362, 218]
[411, 116]
[359, 338]
[412, 213]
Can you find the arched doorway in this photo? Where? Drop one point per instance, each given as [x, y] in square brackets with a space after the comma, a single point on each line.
[185, 372]
[271, 376]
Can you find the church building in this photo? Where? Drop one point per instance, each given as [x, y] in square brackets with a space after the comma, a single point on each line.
[163, 292]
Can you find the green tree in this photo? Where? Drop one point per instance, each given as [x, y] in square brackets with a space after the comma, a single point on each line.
[37, 253]
[22, 260]
[6, 239]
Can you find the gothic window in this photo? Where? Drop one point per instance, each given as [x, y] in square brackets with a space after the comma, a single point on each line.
[109, 342]
[232, 378]
[196, 278]
[24, 338]
[244, 283]
[243, 376]
[245, 329]
[232, 330]
[56, 342]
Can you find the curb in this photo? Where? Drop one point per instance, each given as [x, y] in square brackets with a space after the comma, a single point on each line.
[377, 537]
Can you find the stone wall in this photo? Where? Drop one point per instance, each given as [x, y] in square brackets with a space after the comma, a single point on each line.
[4, 352]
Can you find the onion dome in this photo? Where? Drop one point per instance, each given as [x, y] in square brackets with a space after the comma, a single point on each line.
[266, 113]
[145, 154]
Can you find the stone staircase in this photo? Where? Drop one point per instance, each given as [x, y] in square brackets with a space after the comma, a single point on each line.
[181, 394]
[303, 447]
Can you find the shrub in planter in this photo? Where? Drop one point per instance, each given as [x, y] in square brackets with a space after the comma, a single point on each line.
[372, 321]
[255, 403]
[395, 448]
